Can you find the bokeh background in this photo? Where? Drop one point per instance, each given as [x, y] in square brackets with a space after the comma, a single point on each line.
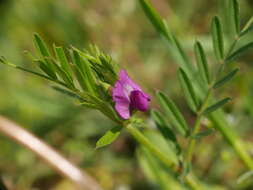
[120, 28]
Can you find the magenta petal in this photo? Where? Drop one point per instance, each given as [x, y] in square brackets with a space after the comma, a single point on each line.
[128, 96]
[122, 107]
[127, 81]
[118, 92]
[139, 100]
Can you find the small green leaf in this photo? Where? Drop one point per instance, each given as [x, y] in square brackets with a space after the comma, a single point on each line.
[85, 76]
[226, 79]
[44, 53]
[217, 36]
[216, 106]
[248, 27]
[41, 46]
[188, 90]
[45, 69]
[203, 133]
[64, 76]
[202, 62]
[173, 113]
[154, 18]
[235, 14]
[239, 52]
[61, 57]
[109, 137]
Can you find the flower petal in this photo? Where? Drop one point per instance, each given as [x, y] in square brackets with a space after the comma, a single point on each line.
[122, 107]
[127, 81]
[118, 92]
[139, 100]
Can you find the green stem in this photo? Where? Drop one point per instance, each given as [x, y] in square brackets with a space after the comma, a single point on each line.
[190, 179]
[151, 147]
[232, 46]
[197, 126]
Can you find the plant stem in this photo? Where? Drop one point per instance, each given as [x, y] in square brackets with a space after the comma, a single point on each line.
[197, 126]
[190, 179]
[151, 147]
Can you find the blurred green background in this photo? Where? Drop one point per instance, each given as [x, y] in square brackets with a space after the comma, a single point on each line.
[120, 28]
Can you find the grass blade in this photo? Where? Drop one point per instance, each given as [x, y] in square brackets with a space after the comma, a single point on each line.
[202, 62]
[217, 36]
[216, 106]
[188, 90]
[173, 113]
[226, 79]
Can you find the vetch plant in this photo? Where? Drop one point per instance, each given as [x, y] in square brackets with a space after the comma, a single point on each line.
[97, 82]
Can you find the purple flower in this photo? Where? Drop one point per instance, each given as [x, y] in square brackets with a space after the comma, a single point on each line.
[128, 96]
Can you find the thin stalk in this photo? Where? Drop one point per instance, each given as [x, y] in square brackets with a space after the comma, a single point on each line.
[151, 147]
[197, 126]
[237, 38]
[46, 153]
[139, 137]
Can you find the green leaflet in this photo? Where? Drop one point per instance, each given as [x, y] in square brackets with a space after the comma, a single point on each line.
[247, 28]
[61, 57]
[202, 62]
[44, 53]
[85, 76]
[41, 46]
[173, 113]
[43, 66]
[64, 76]
[204, 133]
[226, 78]
[155, 18]
[235, 15]
[237, 53]
[109, 137]
[217, 36]
[216, 106]
[188, 90]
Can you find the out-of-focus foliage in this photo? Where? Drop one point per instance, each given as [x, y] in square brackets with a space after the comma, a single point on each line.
[121, 29]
